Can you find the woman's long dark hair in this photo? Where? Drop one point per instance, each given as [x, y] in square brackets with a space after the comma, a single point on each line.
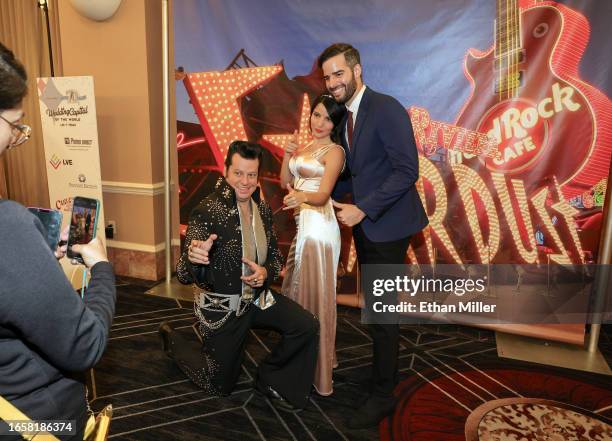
[335, 111]
[13, 80]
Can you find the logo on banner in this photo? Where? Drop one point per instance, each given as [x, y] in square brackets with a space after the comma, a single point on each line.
[78, 142]
[521, 129]
[82, 179]
[68, 112]
[64, 204]
[52, 97]
[73, 97]
[56, 162]
[65, 115]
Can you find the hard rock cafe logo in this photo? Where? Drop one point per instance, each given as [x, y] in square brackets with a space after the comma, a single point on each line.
[521, 129]
[510, 136]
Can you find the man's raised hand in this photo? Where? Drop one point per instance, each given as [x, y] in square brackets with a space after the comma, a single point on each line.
[259, 276]
[348, 214]
[198, 250]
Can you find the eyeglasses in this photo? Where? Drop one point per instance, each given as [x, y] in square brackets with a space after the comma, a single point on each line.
[21, 133]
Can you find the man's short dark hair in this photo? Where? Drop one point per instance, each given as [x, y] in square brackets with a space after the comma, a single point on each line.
[247, 150]
[351, 55]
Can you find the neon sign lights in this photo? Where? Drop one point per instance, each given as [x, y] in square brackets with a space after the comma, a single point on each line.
[215, 97]
[515, 211]
[497, 208]
[304, 136]
[432, 134]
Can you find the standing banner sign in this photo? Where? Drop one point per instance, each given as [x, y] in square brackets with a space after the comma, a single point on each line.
[70, 135]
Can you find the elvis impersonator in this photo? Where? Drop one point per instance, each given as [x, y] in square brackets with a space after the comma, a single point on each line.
[231, 258]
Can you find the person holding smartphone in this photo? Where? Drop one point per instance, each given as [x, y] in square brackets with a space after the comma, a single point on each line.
[48, 334]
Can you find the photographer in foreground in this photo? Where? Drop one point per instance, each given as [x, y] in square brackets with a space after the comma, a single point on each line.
[49, 336]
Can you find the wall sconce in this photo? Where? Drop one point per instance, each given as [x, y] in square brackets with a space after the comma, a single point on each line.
[98, 10]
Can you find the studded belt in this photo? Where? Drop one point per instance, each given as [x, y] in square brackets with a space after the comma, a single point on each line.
[215, 302]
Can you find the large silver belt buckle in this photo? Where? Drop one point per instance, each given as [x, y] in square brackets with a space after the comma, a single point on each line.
[217, 302]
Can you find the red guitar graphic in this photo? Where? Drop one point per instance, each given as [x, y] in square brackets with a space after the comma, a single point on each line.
[527, 95]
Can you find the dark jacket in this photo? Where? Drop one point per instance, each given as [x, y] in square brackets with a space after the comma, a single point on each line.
[218, 214]
[48, 334]
[382, 169]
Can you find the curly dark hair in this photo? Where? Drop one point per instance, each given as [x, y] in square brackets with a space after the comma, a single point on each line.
[13, 80]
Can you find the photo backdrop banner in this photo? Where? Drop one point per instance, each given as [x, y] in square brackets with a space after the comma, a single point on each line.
[508, 102]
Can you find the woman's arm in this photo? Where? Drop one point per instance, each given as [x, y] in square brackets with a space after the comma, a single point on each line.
[285, 175]
[333, 161]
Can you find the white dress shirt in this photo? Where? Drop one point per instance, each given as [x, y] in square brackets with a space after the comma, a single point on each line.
[354, 107]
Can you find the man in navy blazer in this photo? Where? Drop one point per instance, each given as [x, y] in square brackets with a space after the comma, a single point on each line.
[381, 173]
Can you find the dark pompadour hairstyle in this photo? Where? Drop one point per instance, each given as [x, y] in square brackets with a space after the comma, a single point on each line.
[247, 150]
[351, 55]
[13, 80]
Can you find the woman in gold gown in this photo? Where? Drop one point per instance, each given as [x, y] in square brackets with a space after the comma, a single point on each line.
[309, 173]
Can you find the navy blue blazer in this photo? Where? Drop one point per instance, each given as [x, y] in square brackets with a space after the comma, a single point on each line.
[382, 169]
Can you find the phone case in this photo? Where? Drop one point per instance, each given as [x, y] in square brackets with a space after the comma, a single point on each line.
[85, 224]
[52, 222]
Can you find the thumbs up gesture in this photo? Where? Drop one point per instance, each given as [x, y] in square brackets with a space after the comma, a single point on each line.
[198, 250]
[294, 198]
[293, 145]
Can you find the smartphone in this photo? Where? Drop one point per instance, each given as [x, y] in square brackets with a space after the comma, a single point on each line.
[52, 221]
[83, 224]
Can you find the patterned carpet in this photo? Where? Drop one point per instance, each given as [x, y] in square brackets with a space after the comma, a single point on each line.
[449, 375]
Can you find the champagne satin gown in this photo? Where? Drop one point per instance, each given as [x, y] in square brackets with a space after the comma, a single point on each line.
[312, 263]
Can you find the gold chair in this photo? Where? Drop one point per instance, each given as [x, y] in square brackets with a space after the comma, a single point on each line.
[97, 427]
